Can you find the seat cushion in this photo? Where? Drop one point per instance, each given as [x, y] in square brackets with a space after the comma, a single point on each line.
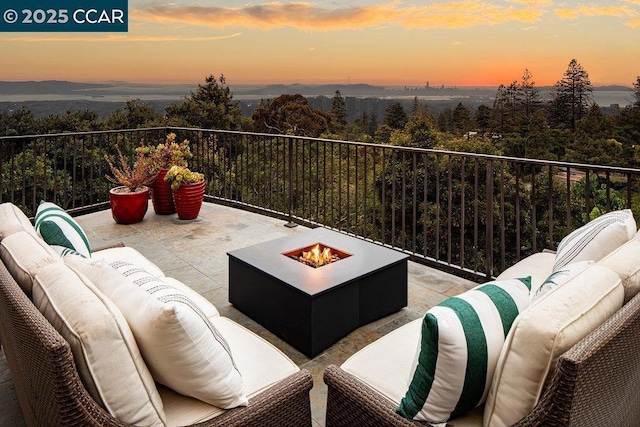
[597, 238]
[549, 327]
[387, 363]
[59, 230]
[179, 343]
[104, 349]
[24, 254]
[260, 363]
[461, 340]
[625, 261]
[12, 220]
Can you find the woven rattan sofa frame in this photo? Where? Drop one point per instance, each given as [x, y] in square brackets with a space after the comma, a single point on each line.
[51, 393]
[595, 383]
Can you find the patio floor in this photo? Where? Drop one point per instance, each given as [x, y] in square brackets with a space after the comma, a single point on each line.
[195, 252]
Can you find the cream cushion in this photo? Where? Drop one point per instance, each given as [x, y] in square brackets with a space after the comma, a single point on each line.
[104, 349]
[625, 261]
[538, 266]
[24, 254]
[597, 238]
[387, 363]
[13, 220]
[549, 327]
[180, 345]
[260, 363]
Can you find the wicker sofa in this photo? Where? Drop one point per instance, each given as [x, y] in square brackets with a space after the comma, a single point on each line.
[51, 392]
[595, 382]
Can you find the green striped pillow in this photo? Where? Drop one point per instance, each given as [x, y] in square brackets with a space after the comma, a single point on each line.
[461, 342]
[57, 228]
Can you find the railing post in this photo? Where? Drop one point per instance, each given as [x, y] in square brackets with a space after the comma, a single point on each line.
[489, 220]
[290, 224]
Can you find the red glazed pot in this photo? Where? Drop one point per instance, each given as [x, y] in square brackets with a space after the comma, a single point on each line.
[126, 207]
[161, 195]
[188, 200]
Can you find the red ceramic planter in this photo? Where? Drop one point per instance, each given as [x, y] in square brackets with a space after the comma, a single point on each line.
[128, 208]
[162, 195]
[188, 200]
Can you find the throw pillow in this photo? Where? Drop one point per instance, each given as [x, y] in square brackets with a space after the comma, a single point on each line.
[460, 345]
[180, 345]
[597, 238]
[104, 349]
[548, 328]
[57, 227]
[560, 277]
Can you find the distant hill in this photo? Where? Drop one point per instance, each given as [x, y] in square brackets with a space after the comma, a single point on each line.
[45, 87]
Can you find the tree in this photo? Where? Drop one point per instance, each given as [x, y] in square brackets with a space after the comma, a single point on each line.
[530, 94]
[210, 107]
[339, 111]
[572, 94]
[483, 118]
[636, 91]
[394, 116]
[290, 115]
[461, 119]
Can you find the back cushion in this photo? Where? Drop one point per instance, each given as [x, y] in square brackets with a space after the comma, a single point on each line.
[594, 240]
[12, 220]
[626, 262]
[182, 348]
[549, 327]
[24, 254]
[59, 230]
[104, 349]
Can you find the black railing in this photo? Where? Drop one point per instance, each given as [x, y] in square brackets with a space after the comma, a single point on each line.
[471, 214]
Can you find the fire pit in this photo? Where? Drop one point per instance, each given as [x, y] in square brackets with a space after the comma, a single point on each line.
[311, 301]
[317, 255]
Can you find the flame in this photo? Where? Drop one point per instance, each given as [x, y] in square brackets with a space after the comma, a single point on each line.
[317, 257]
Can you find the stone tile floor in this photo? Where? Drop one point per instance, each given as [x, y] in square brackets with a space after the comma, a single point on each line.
[195, 252]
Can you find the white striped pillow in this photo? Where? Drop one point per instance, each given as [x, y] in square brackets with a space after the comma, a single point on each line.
[594, 240]
[178, 342]
[57, 228]
[460, 345]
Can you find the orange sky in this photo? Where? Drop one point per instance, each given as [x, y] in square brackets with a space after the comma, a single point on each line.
[393, 42]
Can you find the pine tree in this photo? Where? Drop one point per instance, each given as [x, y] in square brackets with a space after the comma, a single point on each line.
[636, 91]
[573, 93]
[339, 111]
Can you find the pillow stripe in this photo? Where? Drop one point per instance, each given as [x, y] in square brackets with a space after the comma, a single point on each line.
[501, 298]
[476, 370]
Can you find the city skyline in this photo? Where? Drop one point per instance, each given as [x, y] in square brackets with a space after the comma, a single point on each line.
[463, 43]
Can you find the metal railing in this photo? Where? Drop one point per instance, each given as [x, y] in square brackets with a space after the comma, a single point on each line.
[471, 214]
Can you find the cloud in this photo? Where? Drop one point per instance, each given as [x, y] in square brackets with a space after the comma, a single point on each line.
[308, 16]
[620, 10]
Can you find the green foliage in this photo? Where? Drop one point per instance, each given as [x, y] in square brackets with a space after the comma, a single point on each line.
[290, 115]
[210, 107]
[394, 116]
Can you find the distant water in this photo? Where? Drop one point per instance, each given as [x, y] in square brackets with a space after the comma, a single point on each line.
[602, 98]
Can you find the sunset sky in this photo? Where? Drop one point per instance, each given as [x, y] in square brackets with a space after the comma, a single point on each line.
[464, 43]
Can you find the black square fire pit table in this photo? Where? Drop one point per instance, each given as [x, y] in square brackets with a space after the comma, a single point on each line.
[312, 308]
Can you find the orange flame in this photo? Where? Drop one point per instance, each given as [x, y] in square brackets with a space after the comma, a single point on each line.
[317, 257]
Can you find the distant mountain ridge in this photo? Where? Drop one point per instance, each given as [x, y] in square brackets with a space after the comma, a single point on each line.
[46, 87]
